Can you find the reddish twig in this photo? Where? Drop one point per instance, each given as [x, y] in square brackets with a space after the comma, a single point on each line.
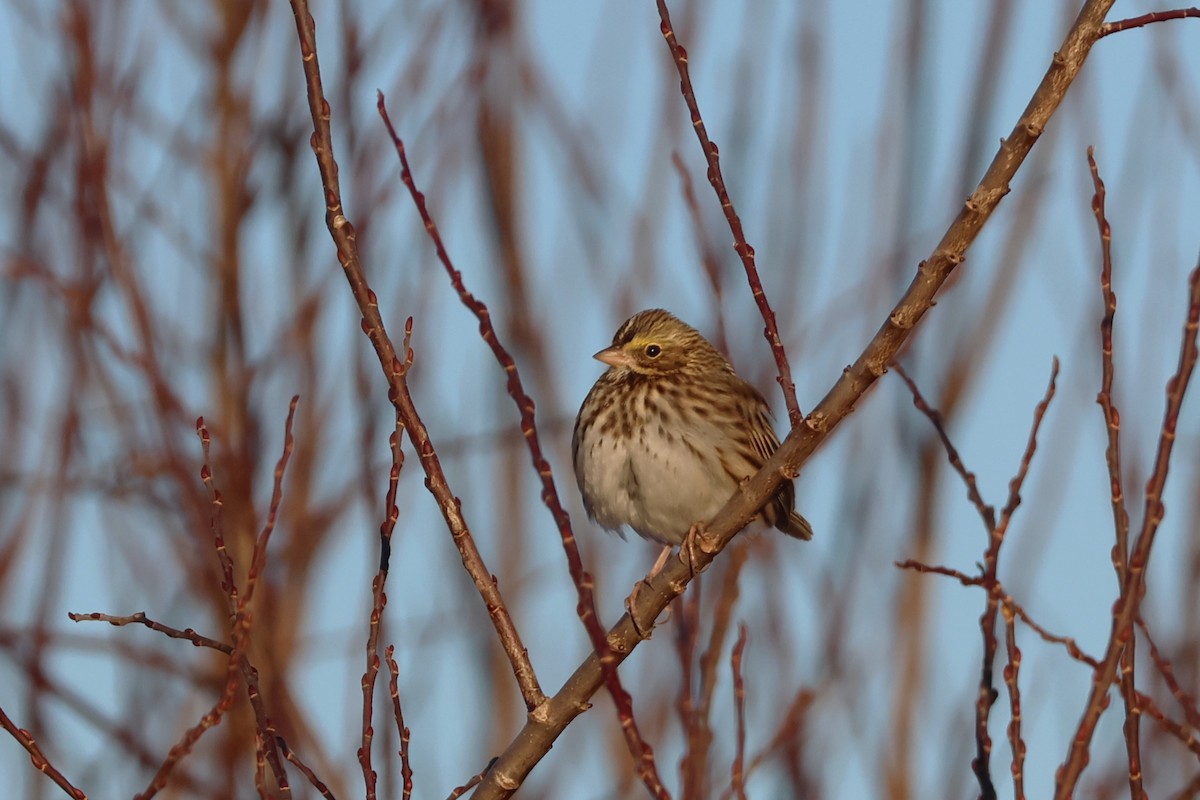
[693, 715]
[140, 618]
[40, 762]
[792, 721]
[240, 615]
[1112, 457]
[475, 781]
[1006, 601]
[294, 759]
[642, 753]
[1112, 417]
[986, 695]
[402, 729]
[1110, 28]
[1014, 486]
[1012, 671]
[391, 513]
[1133, 586]
[708, 257]
[738, 777]
[1186, 736]
[744, 250]
[987, 512]
[698, 680]
[346, 240]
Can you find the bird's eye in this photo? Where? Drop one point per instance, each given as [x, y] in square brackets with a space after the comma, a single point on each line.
[653, 351]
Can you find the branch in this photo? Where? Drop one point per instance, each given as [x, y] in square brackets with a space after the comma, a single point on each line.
[40, 762]
[1133, 586]
[1146, 19]
[140, 618]
[744, 250]
[346, 240]
[1112, 457]
[642, 753]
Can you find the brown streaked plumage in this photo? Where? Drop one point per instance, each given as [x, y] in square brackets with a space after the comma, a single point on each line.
[669, 431]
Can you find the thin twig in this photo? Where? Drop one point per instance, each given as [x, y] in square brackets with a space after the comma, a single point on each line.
[240, 616]
[1012, 672]
[475, 781]
[987, 512]
[140, 618]
[1110, 28]
[1006, 601]
[406, 773]
[259, 558]
[1112, 457]
[740, 245]
[986, 696]
[346, 241]
[40, 762]
[210, 720]
[1186, 701]
[642, 753]
[305, 770]
[1133, 587]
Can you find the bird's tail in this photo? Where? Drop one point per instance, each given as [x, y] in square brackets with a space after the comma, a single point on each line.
[796, 525]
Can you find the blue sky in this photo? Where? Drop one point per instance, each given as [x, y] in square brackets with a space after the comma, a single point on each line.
[835, 253]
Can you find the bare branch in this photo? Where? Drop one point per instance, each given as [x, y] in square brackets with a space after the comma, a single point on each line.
[740, 245]
[1148, 19]
[40, 762]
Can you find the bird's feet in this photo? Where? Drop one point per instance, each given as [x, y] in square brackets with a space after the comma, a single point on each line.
[690, 545]
[631, 601]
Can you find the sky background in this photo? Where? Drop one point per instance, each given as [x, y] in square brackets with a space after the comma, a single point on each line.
[850, 134]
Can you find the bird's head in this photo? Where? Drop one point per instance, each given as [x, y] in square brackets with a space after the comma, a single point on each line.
[654, 343]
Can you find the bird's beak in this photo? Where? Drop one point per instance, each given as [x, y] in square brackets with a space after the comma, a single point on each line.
[614, 357]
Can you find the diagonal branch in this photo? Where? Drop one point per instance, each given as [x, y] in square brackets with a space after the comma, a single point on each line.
[538, 735]
[642, 753]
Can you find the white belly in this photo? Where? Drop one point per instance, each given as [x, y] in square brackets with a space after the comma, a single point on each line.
[659, 491]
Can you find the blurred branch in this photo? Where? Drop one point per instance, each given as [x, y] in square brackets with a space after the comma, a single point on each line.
[240, 615]
[394, 688]
[1012, 671]
[294, 759]
[140, 618]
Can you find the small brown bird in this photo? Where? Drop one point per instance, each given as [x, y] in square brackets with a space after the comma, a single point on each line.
[668, 432]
